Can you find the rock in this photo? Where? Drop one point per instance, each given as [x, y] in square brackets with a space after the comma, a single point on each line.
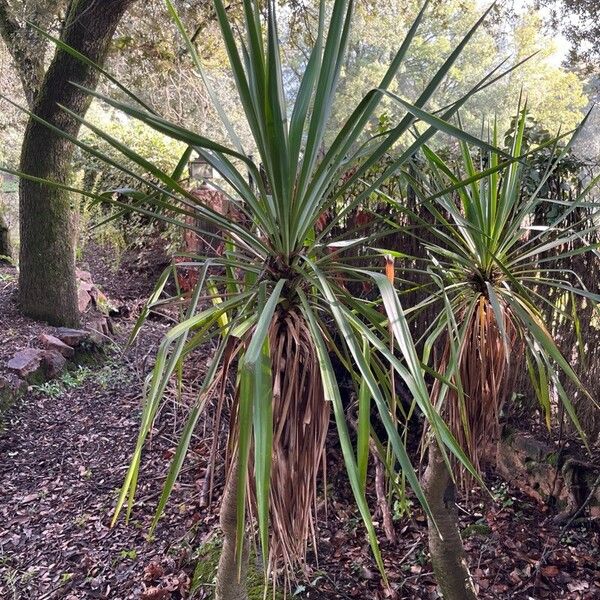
[101, 302]
[99, 324]
[88, 286]
[26, 363]
[531, 447]
[72, 337]
[88, 292]
[11, 387]
[83, 299]
[54, 363]
[83, 275]
[100, 329]
[538, 470]
[35, 364]
[94, 293]
[50, 342]
[528, 464]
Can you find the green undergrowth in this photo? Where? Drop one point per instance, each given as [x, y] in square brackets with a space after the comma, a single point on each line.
[481, 529]
[99, 367]
[205, 572]
[7, 397]
[104, 374]
[68, 379]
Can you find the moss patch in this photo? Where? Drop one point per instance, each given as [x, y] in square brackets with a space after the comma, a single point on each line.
[205, 572]
[475, 529]
[6, 399]
[8, 396]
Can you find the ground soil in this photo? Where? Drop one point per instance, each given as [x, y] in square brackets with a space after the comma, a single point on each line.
[65, 448]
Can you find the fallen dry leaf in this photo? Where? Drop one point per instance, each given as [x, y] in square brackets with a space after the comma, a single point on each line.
[550, 571]
[155, 593]
[153, 571]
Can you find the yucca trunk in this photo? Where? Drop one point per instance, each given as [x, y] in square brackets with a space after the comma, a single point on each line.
[484, 376]
[445, 544]
[231, 584]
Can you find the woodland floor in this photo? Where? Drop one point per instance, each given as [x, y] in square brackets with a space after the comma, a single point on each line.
[65, 447]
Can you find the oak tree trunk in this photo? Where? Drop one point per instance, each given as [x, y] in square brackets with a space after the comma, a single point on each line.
[447, 553]
[230, 586]
[47, 283]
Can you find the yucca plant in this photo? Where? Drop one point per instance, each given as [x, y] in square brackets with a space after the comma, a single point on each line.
[486, 263]
[278, 307]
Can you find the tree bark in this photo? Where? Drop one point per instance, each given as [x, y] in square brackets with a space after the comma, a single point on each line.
[228, 585]
[447, 552]
[47, 283]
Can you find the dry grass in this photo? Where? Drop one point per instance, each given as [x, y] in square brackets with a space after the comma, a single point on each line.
[300, 424]
[487, 365]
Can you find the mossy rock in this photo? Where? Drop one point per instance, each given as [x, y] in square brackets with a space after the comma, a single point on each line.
[205, 572]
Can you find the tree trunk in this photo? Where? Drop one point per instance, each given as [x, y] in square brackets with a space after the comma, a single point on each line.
[47, 283]
[229, 586]
[447, 552]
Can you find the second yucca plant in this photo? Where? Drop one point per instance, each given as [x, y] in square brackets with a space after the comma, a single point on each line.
[486, 258]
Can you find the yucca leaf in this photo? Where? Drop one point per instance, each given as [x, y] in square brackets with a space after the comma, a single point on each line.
[398, 131]
[167, 359]
[255, 392]
[442, 125]
[152, 300]
[364, 425]
[263, 443]
[365, 372]
[188, 430]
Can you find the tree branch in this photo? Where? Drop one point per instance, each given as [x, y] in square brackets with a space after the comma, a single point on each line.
[28, 60]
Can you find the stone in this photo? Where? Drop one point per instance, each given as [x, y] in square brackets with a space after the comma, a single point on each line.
[83, 299]
[34, 364]
[11, 388]
[101, 302]
[51, 342]
[71, 337]
[525, 463]
[26, 363]
[83, 275]
[100, 329]
[88, 286]
[54, 362]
